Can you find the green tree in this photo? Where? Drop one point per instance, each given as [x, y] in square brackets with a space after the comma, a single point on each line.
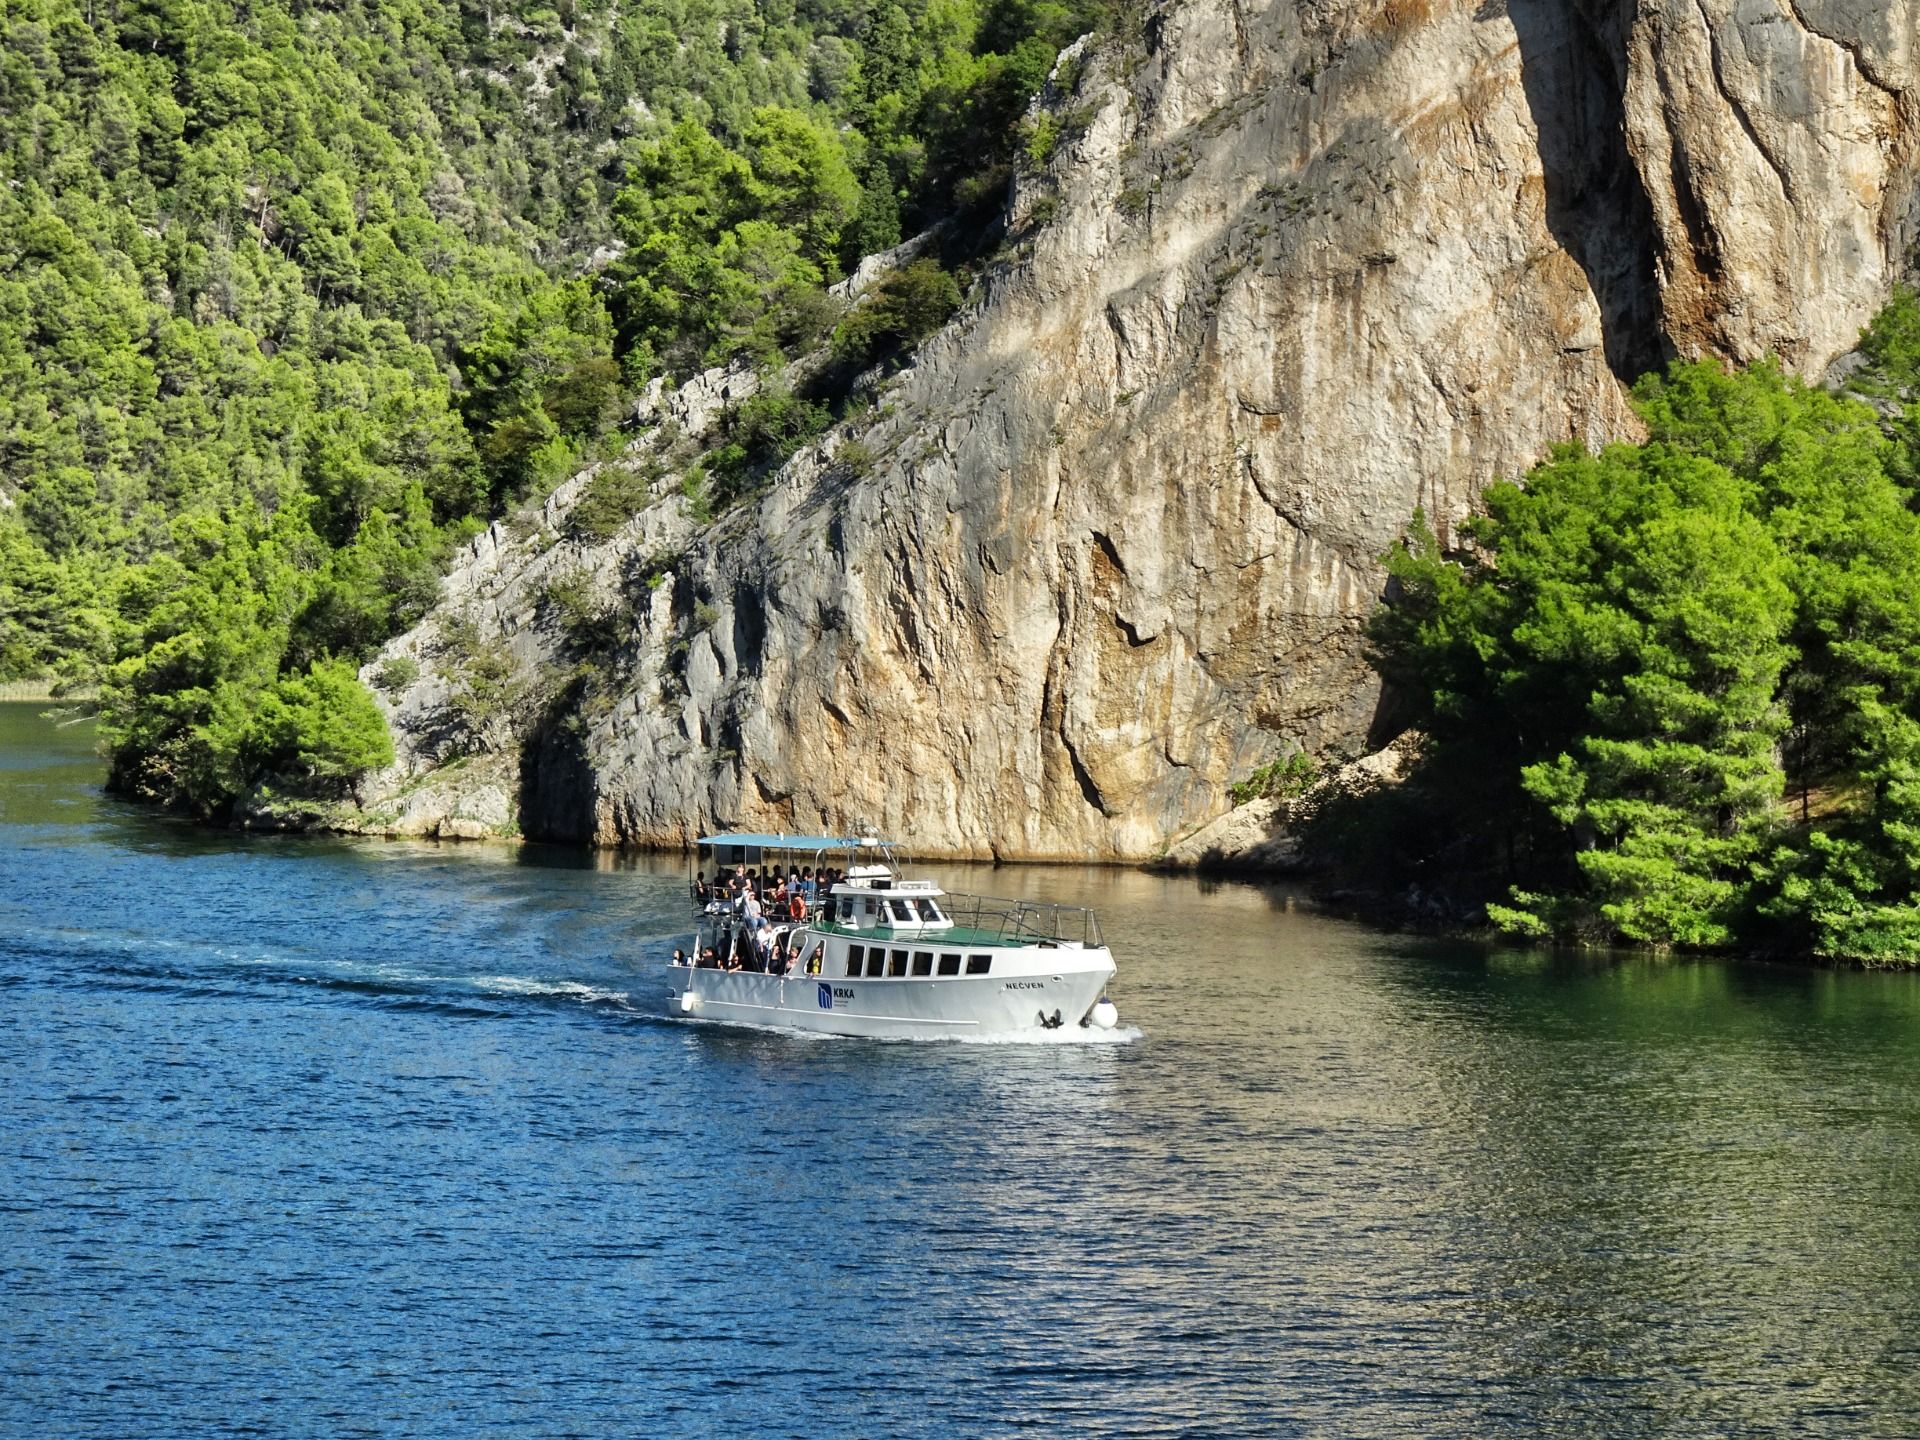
[1617, 649]
[321, 727]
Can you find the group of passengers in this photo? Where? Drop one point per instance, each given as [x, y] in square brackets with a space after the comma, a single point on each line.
[760, 929]
[760, 951]
[748, 893]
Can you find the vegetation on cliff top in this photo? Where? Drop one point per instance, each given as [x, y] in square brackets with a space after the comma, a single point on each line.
[1671, 692]
[293, 297]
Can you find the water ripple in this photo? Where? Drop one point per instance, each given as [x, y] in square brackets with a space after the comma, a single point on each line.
[317, 1138]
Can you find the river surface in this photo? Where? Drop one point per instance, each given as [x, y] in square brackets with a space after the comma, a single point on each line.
[309, 1137]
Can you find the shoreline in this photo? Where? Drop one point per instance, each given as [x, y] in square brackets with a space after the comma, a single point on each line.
[1337, 903]
[40, 692]
[1323, 893]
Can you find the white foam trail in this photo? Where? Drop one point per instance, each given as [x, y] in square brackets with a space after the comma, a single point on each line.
[1091, 1035]
[572, 989]
[1119, 1035]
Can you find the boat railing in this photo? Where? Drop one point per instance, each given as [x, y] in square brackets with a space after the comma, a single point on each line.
[1005, 922]
[1033, 922]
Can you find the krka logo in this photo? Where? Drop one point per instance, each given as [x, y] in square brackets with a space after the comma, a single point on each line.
[826, 997]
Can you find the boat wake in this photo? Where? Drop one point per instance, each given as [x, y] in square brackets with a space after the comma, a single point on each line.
[1066, 1035]
[138, 962]
[557, 989]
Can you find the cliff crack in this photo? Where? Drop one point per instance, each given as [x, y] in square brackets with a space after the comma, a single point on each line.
[1855, 49]
[1738, 108]
[1700, 238]
[1088, 790]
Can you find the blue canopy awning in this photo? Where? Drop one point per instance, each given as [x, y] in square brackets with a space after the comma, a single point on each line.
[787, 842]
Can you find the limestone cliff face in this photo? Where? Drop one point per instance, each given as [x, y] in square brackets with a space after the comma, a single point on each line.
[1309, 264]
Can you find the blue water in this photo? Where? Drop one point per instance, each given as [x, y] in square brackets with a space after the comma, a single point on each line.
[310, 1137]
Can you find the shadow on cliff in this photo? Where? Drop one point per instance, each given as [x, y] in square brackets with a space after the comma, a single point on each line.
[1573, 69]
[557, 787]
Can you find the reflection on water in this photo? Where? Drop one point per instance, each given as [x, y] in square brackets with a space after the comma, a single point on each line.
[339, 1137]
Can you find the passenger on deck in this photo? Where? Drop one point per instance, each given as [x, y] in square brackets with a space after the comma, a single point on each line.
[680, 957]
[710, 958]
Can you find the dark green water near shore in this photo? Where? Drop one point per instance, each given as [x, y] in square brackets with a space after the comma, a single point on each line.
[320, 1137]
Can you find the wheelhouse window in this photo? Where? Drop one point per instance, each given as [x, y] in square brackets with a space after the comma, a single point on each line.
[979, 964]
[929, 912]
[873, 906]
[923, 962]
[876, 962]
[902, 910]
[898, 965]
[855, 954]
[949, 964]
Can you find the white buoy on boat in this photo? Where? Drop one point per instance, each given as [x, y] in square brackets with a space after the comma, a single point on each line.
[689, 1002]
[1105, 1015]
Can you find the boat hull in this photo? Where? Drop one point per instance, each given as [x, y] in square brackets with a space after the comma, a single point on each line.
[942, 1008]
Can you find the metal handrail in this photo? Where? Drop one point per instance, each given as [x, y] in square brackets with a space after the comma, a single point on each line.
[1028, 920]
[1011, 921]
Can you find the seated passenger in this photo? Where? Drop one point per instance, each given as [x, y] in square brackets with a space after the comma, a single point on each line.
[679, 957]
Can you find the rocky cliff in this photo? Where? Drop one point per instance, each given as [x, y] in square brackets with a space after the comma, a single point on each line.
[1298, 268]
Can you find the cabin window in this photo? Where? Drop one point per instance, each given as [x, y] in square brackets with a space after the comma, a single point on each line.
[813, 960]
[902, 911]
[876, 962]
[923, 962]
[949, 964]
[846, 910]
[872, 906]
[899, 963]
[979, 964]
[929, 911]
[855, 954]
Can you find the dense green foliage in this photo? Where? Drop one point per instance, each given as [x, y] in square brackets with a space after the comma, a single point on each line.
[1671, 692]
[292, 296]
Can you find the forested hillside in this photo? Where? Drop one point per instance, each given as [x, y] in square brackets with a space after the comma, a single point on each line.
[293, 296]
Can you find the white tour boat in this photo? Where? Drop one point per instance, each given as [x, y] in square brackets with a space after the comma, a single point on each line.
[873, 953]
